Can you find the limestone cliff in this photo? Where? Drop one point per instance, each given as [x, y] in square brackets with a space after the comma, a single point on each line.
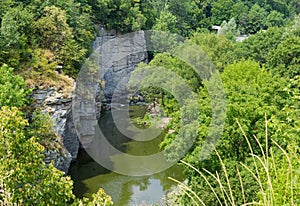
[117, 56]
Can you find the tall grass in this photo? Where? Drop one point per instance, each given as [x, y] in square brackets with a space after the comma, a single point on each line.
[278, 184]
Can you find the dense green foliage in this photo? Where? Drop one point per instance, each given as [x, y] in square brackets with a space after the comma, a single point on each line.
[261, 80]
[13, 88]
[251, 94]
[62, 31]
[24, 177]
[22, 168]
[42, 40]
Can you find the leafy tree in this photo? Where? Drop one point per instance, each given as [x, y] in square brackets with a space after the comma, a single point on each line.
[166, 22]
[269, 178]
[294, 7]
[252, 93]
[13, 88]
[129, 17]
[285, 59]
[279, 6]
[78, 16]
[15, 27]
[189, 14]
[53, 29]
[257, 47]
[229, 29]
[150, 11]
[72, 55]
[22, 162]
[217, 48]
[249, 89]
[5, 5]
[255, 19]
[200, 14]
[221, 11]
[102, 9]
[43, 62]
[239, 12]
[181, 68]
[57, 36]
[138, 21]
[275, 18]
[41, 127]
[63, 27]
[294, 28]
[25, 179]
[186, 15]
[122, 15]
[98, 199]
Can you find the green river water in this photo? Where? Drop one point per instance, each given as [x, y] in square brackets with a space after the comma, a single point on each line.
[89, 176]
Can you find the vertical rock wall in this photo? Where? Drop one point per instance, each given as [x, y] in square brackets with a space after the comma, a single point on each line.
[58, 105]
[118, 58]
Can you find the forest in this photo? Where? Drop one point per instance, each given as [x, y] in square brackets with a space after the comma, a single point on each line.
[257, 158]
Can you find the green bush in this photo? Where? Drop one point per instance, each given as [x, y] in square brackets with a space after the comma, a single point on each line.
[24, 177]
[13, 88]
[22, 169]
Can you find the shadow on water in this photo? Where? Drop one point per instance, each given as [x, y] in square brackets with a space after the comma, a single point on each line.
[89, 176]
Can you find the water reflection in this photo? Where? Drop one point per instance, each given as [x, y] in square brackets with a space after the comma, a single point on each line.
[89, 176]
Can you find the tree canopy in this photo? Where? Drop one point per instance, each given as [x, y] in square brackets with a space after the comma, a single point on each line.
[42, 41]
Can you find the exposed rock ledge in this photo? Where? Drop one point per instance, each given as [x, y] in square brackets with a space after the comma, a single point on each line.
[58, 104]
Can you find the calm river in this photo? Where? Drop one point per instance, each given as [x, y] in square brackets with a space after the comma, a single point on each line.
[89, 176]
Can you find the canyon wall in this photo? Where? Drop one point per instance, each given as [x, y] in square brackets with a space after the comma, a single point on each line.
[75, 115]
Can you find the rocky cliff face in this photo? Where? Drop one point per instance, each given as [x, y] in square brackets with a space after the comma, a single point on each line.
[58, 105]
[117, 57]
